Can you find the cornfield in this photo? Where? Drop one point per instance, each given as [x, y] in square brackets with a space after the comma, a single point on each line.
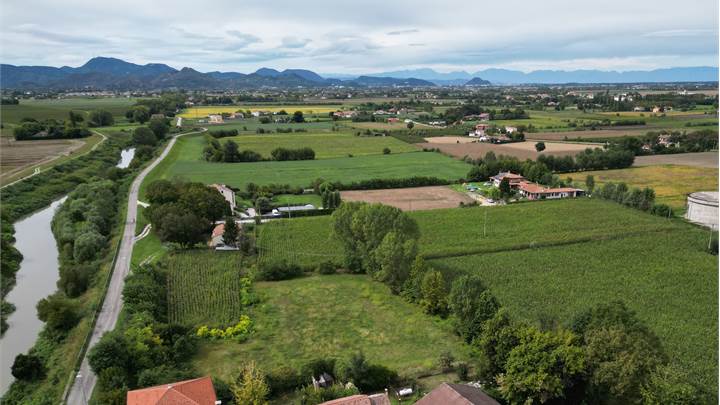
[302, 241]
[206, 288]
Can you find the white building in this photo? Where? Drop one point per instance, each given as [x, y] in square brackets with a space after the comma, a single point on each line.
[215, 119]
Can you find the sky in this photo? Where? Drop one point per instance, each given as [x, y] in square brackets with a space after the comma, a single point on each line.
[364, 36]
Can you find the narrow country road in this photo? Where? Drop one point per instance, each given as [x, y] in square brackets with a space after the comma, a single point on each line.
[85, 380]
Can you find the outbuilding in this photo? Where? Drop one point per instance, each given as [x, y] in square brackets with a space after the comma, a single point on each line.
[702, 208]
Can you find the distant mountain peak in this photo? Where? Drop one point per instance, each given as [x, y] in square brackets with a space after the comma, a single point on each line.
[476, 81]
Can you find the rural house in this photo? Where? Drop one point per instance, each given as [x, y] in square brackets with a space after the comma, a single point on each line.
[216, 239]
[215, 119]
[514, 179]
[456, 394]
[534, 191]
[199, 391]
[479, 130]
[227, 193]
[510, 130]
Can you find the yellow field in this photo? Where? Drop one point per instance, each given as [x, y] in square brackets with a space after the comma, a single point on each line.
[671, 183]
[204, 111]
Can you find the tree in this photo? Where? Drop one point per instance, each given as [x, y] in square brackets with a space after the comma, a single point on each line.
[365, 376]
[231, 152]
[75, 118]
[671, 385]
[412, 290]
[472, 305]
[394, 257]
[231, 233]
[182, 227]
[505, 189]
[87, 246]
[249, 386]
[28, 367]
[162, 192]
[410, 125]
[434, 295]
[386, 151]
[621, 352]
[590, 183]
[101, 118]
[140, 114]
[144, 136]
[59, 313]
[542, 367]
[498, 337]
[159, 126]
[298, 117]
[540, 146]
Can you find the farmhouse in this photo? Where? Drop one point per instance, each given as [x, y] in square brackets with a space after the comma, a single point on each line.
[484, 116]
[215, 119]
[479, 130]
[227, 193]
[514, 179]
[345, 114]
[510, 130]
[199, 391]
[534, 191]
[393, 120]
[456, 394]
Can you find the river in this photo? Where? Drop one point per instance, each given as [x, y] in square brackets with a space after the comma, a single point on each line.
[36, 279]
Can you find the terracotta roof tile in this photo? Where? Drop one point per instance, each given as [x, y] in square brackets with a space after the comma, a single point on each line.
[199, 391]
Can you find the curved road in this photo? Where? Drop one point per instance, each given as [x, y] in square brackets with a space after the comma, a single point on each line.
[85, 380]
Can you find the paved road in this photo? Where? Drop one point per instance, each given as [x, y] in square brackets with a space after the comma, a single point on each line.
[85, 380]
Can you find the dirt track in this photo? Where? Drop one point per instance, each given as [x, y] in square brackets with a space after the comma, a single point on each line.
[410, 199]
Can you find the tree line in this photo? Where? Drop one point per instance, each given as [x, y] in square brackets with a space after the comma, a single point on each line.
[229, 152]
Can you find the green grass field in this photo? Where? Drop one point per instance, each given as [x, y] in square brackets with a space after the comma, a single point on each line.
[671, 183]
[333, 316]
[185, 162]
[204, 287]
[58, 109]
[556, 258]
[332, 145]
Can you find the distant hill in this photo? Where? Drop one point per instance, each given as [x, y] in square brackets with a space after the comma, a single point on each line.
[102, 73]
[476, 81]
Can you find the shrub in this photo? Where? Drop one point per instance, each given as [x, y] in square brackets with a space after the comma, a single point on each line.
[386, 151]
[240, 331]
[283, 379]
[445, 361]
[28, 367]
[278, 270]
[326, 267]
[463, 371]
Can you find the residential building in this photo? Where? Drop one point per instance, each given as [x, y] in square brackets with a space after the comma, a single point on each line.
[393, 120]
[345, 114]
[664, 140]
[227, 193]
[456, 394]
[215, 119]
[157, 116]
[360, 399]
[534, 191]
[199, 391]
[216, 239]
[510, 130]
[479, 130]
[484, 116]
[513, 179]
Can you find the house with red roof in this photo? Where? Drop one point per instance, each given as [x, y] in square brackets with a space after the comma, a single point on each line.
[534, 191]
[456, 394]
[514, 179]
[199, 391]
[360, 399]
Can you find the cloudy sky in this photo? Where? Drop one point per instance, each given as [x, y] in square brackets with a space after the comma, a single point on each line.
[364, 36]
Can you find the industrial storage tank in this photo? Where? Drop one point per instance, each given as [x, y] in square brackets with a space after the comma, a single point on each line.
[702, 208]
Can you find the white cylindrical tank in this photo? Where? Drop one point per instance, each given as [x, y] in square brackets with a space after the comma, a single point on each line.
[702, 208]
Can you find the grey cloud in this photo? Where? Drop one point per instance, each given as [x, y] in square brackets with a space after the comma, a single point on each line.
[294, 42]
[403, 32]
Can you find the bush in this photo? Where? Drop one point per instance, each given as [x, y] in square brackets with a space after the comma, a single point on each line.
[326, 268]
[222, 133]
[386, 151]
[88, 246]
[28, 367]
[144, 136]
[283, 379]
[283, 154]
[445, 361]
[278, 270]
[463, 371]
[368, 377]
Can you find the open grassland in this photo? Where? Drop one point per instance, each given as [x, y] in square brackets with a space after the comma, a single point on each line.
[671, 183]
[204, 111]
[333, 316]
[59, 108]
[457, 232]
[330, 145]
[184, 162]
[665, 277]
[204, 287]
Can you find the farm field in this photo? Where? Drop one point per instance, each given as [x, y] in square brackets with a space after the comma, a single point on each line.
[204, 111]
[700, 159]
[664, 276]
[587, 134]
[410, 199]
[334, 316]
[330, 145]
[457, 232]
[249, 126]
[59, 108]
[672, 183]
[520, 150]
[204, 287]
[21, 158]
[597, 251]
[184, 162]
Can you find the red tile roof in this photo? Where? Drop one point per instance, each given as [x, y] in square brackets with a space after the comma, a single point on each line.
[456, 394]
[199, 391]
[218, 230]
[376, 399]
[535, 188]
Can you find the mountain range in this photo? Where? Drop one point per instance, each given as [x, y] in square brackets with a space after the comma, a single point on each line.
[102, 73]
